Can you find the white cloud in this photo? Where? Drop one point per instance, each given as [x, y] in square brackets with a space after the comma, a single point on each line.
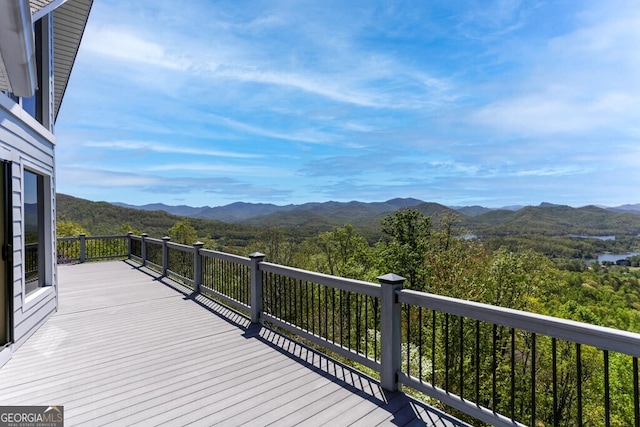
[121, 44]
[581, 82]
[164, 148]
[310, 135]
[221, 169]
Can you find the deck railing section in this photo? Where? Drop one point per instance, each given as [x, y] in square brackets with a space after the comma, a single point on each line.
[178, 263]
[88, 248]
[501, 366]
[153, 253]
[341, 315]
[226, 277]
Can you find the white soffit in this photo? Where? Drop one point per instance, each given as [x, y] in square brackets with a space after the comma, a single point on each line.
[37, 5]
[69, 22]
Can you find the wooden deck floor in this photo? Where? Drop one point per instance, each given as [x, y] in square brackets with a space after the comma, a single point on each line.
[129, 348]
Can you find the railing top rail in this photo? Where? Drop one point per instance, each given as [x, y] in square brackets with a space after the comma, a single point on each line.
[569, 330]
[178, 246]
[106, 237]
[352, 285]
[226, 257]
[153, 240]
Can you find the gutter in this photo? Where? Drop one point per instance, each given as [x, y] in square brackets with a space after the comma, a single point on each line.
[17, 47]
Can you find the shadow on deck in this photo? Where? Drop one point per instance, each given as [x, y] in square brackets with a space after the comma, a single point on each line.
[129, 347]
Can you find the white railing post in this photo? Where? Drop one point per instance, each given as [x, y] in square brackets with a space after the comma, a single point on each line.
[256, 286]
[197, 266]
[165, 255]
[129, 239]
[143, 248]
[83, 247]
[390, 330]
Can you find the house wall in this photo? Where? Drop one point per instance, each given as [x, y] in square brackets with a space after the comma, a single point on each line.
[29, 146]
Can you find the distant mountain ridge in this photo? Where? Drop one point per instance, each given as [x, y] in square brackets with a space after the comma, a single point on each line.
[245, 219]
[240, 212]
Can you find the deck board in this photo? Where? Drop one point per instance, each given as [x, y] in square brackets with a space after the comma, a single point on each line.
[130, 348]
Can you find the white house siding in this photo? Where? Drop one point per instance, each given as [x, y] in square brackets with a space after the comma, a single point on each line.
[28, 145]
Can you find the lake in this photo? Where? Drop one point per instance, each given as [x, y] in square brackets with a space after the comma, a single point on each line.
[580, 236]
[615, 257]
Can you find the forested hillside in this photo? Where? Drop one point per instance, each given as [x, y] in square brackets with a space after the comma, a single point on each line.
[101, 218]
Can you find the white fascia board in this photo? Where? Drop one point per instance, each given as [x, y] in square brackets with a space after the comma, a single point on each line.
[18, 47]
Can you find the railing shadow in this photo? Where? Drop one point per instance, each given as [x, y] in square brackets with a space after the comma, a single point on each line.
[402, 408]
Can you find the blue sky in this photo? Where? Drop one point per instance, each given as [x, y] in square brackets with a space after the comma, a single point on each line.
[489, 102]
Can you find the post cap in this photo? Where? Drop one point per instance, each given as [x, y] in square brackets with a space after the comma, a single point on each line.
[391, 279]
[257, 255]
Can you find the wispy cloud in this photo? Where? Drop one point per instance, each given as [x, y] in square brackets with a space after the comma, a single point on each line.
[126, 46]
[220, 169]
[168, 149]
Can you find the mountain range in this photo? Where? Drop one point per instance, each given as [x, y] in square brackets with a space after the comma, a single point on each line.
[240, 212]
[546, 218]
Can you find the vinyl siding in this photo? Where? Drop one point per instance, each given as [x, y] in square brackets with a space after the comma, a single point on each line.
[27, 144]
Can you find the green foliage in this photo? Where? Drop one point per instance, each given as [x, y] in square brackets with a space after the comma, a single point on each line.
[345, 253]
[183, 232]
[404, 254]
[69, 229]
[275, 244]
[101, 218]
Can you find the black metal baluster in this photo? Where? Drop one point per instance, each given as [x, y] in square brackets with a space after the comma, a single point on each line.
[636, 393]
[358, 314]
[313, 309]
[579, 375]
[494, 367]
[366, 325]
[512, 403]
[420, 343]
[461, 367]
[333, 315]
[348, 320]
[607, 408]
[533, 380]
[407, 308]
[341, 297]
[433, 348]
[554, 374]
[326, 312]
[446, 351]
[477, 362]
[306, 299]
[376, 326]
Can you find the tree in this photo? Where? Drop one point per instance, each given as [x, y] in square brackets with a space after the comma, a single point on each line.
[344, 253]
[183, 232]
[69, 229]
[409, 231]
[277, 247]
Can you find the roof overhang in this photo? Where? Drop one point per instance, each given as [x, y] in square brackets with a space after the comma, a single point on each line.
[17, 48]
[69, 21]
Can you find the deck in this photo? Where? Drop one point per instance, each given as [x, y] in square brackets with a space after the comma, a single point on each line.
[129, 348]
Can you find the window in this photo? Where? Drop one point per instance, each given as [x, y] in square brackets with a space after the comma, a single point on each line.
[34, 229]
